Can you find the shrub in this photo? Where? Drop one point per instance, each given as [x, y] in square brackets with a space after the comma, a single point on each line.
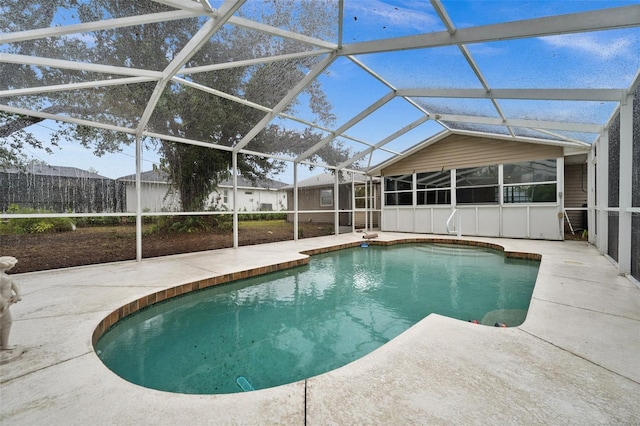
[35, 225]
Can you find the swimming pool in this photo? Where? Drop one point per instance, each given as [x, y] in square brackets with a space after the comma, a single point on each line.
[290, 325]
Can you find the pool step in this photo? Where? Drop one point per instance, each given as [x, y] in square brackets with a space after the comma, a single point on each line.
[457, 250]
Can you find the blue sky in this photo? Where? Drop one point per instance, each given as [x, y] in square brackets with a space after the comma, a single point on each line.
[593, 60]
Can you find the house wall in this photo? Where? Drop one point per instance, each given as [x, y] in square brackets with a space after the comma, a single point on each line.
[250, 199]
[540, 221]
[157, 197]
[309, 200]
[154, 197]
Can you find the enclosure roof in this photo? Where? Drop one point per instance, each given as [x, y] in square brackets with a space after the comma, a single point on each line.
[361, 80]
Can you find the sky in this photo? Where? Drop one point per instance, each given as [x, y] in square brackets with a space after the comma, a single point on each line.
[592, 60]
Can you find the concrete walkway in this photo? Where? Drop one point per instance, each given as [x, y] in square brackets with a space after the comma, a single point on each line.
[576, 358]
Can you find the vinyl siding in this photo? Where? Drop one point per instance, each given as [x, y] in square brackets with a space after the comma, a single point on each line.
[457, 151]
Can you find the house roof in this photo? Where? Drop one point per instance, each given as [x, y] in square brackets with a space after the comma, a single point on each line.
[246, 183]
[157, 176]
[57, 171]
[328, 179]
[150, 176]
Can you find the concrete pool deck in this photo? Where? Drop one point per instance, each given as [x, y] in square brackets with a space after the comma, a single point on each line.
[576, 358]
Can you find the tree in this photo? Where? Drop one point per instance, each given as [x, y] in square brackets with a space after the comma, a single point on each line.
[182, 110]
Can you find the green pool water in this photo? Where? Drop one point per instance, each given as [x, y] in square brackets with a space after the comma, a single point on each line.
[291, 325]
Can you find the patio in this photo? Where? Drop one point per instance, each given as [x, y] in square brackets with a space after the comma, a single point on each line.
[574, 360]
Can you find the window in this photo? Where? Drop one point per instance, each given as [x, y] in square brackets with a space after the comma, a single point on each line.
[433, 188]
[477, 185]
[530, 182]
[545, 193]
[398, 190]
[360, 199]
[326, 197]
[225, 196]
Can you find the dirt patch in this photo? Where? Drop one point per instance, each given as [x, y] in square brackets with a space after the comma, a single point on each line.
[87, 246]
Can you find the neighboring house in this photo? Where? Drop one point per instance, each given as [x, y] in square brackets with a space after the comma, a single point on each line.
[315, 194]
[60, 189]
[500, 186]
[158, 196]
[265, 195]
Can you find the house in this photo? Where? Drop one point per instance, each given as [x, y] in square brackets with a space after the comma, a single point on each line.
[60, 189]
[264, 195]
[156, 194]
[316, 200]
[500, 186]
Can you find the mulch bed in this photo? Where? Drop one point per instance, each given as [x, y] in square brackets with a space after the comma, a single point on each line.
[87, 246]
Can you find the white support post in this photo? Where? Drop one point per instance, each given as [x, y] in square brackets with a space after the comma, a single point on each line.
[602, 190]
[295, 201]
[138, 200]
[454, 199]
[561, 195]
[367, 207]
[625, 196]
[352, 202]
[591, 225]
[336, 202]
[234, 171]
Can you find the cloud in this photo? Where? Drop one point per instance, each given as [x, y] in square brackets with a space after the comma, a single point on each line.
[587, 43]
[409, 14]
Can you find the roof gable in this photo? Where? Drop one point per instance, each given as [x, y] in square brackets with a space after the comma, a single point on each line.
[457, 150]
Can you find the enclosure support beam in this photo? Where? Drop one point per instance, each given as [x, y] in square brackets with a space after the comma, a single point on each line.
[602, 189]
[295, 201]
[467, 55]
[284, 102]
[234, 172]
[368, 181]
[591, 226]
[604, 19]
[187, 52]
[138, 200]
[384, 141]
[336, 201]
[361, 116]
[561, 197]
[625, 195]
[595, 95]
[86, 27]
[539, 124]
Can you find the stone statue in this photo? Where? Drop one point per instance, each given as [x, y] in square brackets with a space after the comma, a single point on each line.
[9, 294]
